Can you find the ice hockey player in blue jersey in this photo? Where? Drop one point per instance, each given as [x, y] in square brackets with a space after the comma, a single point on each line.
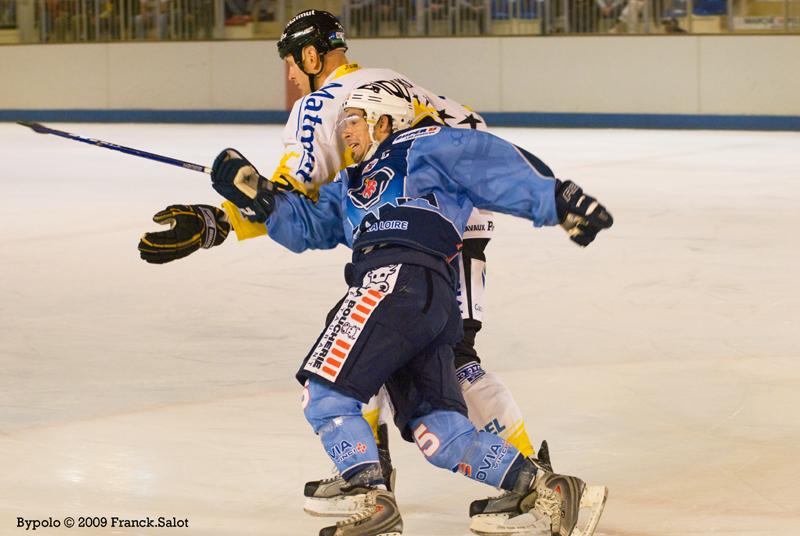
[313, 49]
[403, 209]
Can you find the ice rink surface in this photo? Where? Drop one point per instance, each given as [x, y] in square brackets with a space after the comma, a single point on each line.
[661, 361]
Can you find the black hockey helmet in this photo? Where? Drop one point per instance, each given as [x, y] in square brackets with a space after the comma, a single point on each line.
[311, 27]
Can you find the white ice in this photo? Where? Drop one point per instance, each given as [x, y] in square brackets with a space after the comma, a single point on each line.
[661, 361]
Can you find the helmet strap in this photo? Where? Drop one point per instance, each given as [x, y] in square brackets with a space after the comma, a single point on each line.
[373, 142]
[373, 146]
[312, 77]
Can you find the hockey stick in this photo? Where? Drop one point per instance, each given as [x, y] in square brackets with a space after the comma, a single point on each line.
[41, 129]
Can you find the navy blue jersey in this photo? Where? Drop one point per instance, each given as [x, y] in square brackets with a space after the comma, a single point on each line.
[418, 190]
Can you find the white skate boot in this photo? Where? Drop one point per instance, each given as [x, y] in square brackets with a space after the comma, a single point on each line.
[326, 497]
[501, 515]
[554, 499]
[379, 517]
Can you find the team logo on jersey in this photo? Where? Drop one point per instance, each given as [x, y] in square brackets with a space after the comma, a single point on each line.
[416, 133]
[372, 187]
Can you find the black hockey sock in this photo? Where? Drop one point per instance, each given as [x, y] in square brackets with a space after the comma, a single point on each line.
[520, 475]
[365, 476]
[384, 456]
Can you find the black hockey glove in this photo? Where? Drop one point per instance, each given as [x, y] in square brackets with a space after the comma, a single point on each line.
[192, 227]
[238, 181]
[580, 215]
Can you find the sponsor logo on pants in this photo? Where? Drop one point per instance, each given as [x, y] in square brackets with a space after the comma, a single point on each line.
[330, 354]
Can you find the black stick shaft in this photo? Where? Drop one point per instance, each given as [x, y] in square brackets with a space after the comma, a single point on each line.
[41, 129]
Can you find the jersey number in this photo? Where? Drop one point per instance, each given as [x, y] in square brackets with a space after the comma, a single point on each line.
[427, 441]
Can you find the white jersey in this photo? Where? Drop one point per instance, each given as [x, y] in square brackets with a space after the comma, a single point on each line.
[314, 154]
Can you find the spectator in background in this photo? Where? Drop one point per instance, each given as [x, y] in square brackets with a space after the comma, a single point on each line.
[609, 12]
[470, 11]
[589, 16]
[583, 16]
[435, 11]
[105, 21]
[671, 26]
[59, 21]
[362, 17]
[152, 14]
[263, 10]
[398, 12]
[238, 12]
[629, 17]
[8, 14]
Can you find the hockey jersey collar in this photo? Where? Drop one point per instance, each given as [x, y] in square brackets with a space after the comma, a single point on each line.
[419, 123]
[342, 70]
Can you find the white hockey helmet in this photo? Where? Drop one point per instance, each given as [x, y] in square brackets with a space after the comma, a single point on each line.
[376, 102]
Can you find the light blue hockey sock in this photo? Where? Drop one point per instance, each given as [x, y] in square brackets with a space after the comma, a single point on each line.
[345, 435]
[449, 440]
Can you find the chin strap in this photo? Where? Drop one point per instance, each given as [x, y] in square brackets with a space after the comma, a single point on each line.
[373, 146]
[374, 143]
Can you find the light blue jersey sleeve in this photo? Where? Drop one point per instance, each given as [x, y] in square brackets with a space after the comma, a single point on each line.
[298, 223]
[493, 173]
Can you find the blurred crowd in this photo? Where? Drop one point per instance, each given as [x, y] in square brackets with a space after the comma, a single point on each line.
[108, 20]
[369, 18]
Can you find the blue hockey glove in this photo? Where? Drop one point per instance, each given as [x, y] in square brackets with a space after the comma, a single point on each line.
[580, 215]
[238, 181]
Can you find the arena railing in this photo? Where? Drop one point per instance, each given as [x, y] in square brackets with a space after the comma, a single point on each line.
[60, 21]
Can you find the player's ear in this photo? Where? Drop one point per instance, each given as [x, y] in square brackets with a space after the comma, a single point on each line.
[311, 59]
[384, 125]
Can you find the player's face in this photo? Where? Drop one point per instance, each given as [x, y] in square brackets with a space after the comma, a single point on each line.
[296, 76]
[354, 131]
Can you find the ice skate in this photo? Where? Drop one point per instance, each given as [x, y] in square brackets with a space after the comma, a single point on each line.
[553, 499]
[326, 498]
[543, 456]
[562, 498]
[378, 517]
[501, 514]
[330, 497]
